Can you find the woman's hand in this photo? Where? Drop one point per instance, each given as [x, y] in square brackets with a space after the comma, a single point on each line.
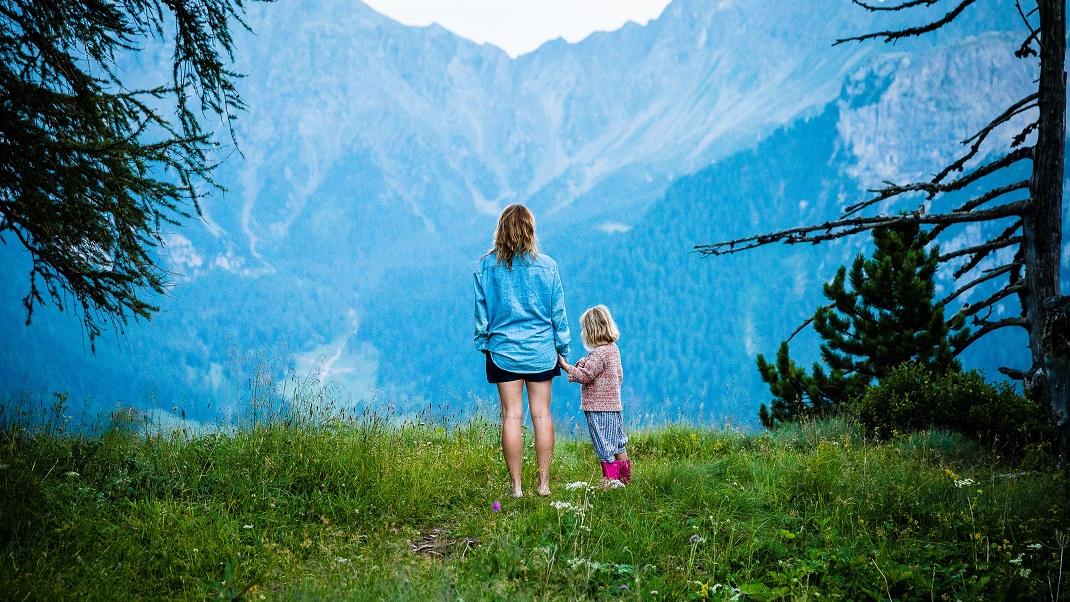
[561, 361]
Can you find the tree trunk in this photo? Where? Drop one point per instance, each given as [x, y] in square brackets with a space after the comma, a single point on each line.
[1048, 381]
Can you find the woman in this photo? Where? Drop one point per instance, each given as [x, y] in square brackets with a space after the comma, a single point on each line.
[521, 327]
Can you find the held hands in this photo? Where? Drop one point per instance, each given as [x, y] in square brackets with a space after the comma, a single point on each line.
[561, 361]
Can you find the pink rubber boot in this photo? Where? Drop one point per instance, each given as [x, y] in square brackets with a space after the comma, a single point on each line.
[625, 470]
[611, 470]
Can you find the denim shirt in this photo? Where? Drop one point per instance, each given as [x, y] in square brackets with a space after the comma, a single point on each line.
[520, 313]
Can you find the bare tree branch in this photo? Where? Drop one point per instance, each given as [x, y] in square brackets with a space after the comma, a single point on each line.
[978, 139]
[1020, 137]
[1011, 373]
[893, 35]
[974, 203]
[1005, 239]
[845, 227]
[807, 322]
[1034, 34]
[987, 328]
[895, 7]
[932, 189]
[972, 308]
[989, 275]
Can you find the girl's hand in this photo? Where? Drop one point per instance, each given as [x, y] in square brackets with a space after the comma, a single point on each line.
[561, 361]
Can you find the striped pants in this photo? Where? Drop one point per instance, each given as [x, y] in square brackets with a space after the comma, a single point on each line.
[607, 434]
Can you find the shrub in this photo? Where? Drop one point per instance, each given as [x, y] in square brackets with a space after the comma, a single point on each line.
[912, 398]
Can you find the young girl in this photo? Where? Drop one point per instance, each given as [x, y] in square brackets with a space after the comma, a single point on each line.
[600, 375]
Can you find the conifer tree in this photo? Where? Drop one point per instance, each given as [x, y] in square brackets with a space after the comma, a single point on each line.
[881, 314]
[90, 166]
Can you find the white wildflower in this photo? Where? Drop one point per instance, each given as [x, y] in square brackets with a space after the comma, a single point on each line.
[72, 475]
[562, 506]
[967, 482]
[587, 563]
[341, 560]
[1024, 572]
[1035, 546]
[1018, 560]
[247, 527]
[573, 486]
[614, 484]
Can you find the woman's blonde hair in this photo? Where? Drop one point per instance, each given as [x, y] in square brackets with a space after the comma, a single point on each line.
[515, 235]
[598, 327]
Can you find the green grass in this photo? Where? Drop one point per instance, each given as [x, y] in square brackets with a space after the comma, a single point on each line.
[275, 512]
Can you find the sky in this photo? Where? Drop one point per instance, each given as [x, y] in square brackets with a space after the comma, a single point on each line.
[520, 26]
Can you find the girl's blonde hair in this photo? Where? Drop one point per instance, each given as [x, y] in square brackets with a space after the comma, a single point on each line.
[515, 235]
[598, 327]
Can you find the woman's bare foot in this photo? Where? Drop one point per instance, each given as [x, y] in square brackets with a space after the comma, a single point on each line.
[543, 490]
[517, 492]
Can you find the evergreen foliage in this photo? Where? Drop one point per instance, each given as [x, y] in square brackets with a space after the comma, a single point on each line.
[913, 397]
[90, 168]
[881, 314]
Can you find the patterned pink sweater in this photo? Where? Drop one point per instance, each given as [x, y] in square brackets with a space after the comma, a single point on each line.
[601, 375]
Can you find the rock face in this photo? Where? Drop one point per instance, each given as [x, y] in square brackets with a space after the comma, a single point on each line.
[376, 156]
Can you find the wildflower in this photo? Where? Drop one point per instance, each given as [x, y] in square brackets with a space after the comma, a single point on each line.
[1035, 546]
[614, 484]
[247, 527]
[585, 562]
[653, 592]
[1024, 572]
[577, 485]
[563, 506]
[1017, 561]
[695, 539]
[496, 506]
[960, 483]
[341, 560]
[705, 591]
[72, 475]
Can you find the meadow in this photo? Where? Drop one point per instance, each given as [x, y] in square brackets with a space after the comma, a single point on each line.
[369, 508]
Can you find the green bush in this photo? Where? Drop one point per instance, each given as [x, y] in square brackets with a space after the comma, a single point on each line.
[914, 398]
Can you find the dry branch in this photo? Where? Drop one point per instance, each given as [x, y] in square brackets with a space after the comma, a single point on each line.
[893, 35]
[845, 227]
[932, 189]
[989, 275]
[987, 327]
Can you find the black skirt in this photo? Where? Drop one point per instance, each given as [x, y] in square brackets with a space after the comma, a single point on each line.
[497, 375]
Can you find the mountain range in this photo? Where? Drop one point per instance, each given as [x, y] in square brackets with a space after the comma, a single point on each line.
[374, 158]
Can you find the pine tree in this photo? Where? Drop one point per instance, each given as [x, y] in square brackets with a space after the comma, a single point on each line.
[881, 314]
[91, 167]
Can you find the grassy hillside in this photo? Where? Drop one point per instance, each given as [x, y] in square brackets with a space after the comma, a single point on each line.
[371, 510]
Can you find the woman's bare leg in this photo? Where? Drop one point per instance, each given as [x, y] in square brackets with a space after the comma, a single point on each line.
[539, 405]
[511, 395]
